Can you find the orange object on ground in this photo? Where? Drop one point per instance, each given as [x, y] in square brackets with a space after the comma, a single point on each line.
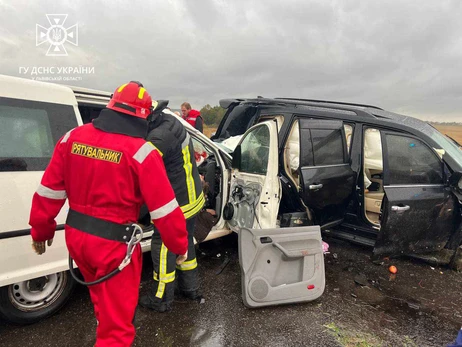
[393, 269]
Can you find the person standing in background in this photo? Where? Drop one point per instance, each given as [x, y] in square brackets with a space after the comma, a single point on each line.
[193, 117]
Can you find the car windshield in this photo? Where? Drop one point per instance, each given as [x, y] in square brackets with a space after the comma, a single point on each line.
[449, 146]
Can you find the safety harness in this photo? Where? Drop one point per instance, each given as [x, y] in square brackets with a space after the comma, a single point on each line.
[129, 234]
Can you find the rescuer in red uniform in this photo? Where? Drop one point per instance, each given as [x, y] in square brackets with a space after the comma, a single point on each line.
[107, 170]
[193, 117]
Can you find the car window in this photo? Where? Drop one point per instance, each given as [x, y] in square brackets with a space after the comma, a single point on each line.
[29, 131]
[410, 161]
[236, 121]
[255, 151]
[327, 146]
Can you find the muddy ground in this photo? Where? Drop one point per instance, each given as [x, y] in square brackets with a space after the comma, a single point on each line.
[420, 306]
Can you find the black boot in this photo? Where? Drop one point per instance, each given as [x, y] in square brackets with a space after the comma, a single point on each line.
[158, 306]
[193, 295]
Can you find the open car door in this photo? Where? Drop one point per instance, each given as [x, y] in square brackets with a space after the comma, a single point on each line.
[419, 209]
[278, 265]
[326, 178]
[255, 187]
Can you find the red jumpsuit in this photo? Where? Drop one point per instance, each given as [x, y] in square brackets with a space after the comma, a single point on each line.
[108, 176]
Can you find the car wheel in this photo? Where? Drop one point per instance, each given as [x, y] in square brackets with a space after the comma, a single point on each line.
[32, 300]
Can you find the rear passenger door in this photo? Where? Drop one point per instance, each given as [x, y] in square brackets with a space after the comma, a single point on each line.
[326, 178]
[419, 208]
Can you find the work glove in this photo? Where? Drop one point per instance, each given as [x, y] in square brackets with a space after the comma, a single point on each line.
[39, 246]
[181, 258]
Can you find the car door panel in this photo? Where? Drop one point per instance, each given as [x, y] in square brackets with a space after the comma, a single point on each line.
[326, 185]
[416, 219]
[281, 266]
[326, 175]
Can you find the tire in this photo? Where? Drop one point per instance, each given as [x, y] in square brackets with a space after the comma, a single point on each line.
[30, 301]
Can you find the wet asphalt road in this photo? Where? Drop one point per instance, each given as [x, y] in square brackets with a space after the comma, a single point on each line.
[418, 307]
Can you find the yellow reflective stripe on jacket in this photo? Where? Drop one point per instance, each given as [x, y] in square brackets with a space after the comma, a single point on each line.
[167, 278]
[162, 270]
[192, 209]
[187, 265]
[189, 177]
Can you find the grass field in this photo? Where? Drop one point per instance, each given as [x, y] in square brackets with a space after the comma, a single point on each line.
[455, 131]
[208, 131]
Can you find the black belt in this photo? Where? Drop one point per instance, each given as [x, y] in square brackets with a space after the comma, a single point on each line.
[99, 227]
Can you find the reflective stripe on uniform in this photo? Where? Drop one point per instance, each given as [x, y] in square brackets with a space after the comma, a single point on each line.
[189, 177]
[66, 136]
[190, 210]
[162, 270]
[143, 152]
[187, 265]
[50, 193]
[160, 290]
[164, 210]
[167, 278]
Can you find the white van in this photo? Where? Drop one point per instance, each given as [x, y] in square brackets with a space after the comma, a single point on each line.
[34, 115]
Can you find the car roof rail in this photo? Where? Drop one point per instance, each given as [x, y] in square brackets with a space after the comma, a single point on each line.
[330, 102]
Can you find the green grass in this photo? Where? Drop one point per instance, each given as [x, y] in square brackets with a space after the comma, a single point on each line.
[350, 338]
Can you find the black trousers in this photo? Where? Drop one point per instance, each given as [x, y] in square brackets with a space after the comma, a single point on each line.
[166, 271]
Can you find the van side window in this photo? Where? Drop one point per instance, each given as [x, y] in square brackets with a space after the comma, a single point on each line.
[29, 131]
[410, 161]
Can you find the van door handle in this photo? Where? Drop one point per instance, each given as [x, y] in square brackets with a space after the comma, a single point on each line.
[315, 186]
[400, 208]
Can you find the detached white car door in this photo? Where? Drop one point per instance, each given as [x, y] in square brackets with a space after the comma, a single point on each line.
[278, 265]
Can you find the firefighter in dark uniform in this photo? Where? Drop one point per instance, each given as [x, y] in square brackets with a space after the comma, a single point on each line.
[174, 144]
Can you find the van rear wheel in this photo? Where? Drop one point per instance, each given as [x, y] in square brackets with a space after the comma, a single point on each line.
[35, 299]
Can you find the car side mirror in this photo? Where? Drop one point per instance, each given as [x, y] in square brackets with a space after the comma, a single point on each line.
[236, 164]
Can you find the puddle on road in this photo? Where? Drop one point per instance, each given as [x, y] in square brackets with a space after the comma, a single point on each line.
[208, 337]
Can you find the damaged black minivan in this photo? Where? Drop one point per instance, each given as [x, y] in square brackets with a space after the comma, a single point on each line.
[363, 174]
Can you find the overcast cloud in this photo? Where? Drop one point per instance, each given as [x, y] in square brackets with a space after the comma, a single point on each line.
[404, 56]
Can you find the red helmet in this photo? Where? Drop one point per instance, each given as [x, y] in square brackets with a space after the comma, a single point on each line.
[131, 98]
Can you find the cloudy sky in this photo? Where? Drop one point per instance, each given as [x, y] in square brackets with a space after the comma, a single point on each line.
[404, 56]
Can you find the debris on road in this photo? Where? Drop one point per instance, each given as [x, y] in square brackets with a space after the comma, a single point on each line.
[361, 279]
[393, 269]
